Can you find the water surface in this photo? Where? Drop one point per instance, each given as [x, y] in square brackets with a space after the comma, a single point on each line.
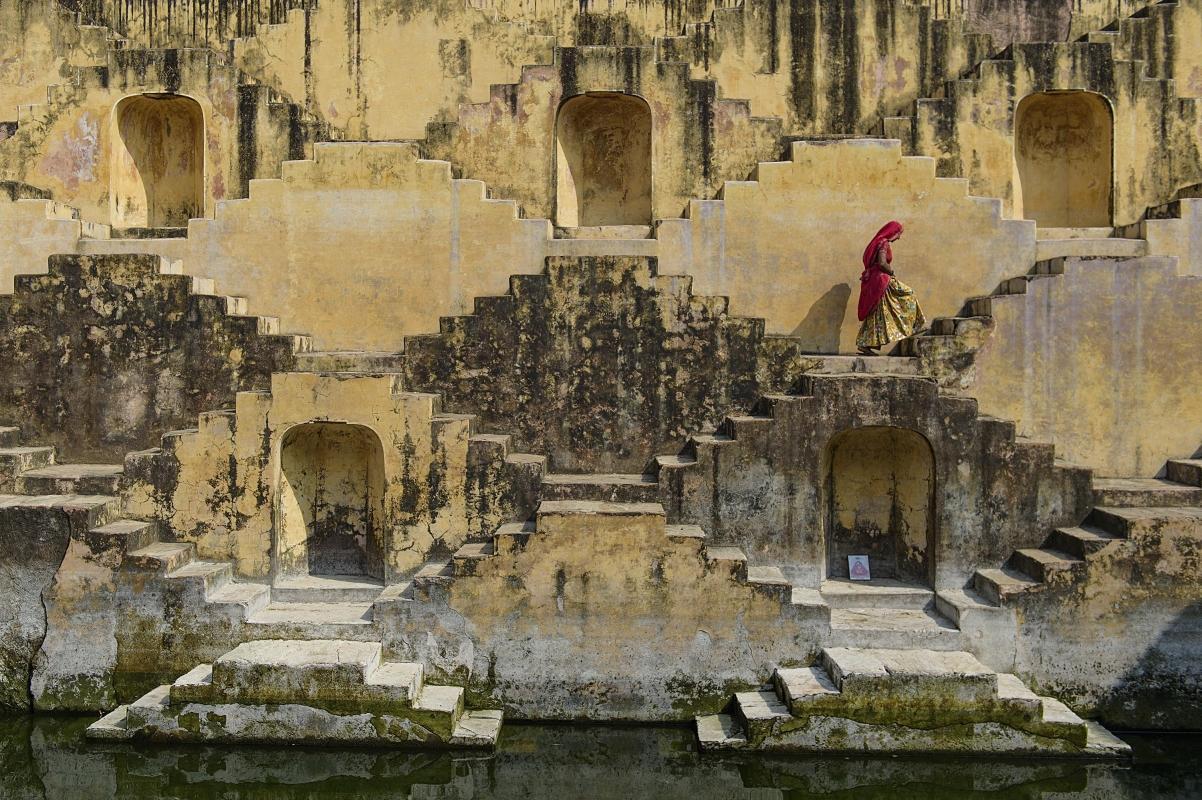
[47, 757]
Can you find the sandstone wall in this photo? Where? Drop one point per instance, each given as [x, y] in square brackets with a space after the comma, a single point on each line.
[787, 247]
[31, 230]
[1119, 637]
[972, 129]
[1099, 361]
[364, 245]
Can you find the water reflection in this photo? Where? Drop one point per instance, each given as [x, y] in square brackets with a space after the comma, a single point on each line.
[47, 758]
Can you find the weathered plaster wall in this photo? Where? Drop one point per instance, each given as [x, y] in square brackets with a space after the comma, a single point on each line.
[698, 139]
[971, 131]
[1099, 361]
[344, 57]
[603, 616]
[787, 246]
[365, 245]
[42, 46]
[1009, 21]
[30, 230]
[67, 146]
[836, 66]
[105, 353]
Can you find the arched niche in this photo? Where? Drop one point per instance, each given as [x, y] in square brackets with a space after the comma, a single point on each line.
[881, 488]
[157, 176]
[330, 509]
[603, 161]
[1063, 146]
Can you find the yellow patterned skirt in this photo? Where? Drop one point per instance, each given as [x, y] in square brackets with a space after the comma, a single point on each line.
[895, 317]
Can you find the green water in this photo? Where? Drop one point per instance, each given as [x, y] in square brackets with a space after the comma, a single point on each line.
[47, 757]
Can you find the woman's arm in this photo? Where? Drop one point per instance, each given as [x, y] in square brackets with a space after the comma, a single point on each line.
[883, 262]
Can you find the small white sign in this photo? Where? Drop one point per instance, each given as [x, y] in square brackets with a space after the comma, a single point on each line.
[857, 568]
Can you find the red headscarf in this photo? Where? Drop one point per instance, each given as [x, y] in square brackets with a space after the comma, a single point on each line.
[874, 281]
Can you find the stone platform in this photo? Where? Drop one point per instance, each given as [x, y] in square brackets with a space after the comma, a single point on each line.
[903, 701]
[310, 692]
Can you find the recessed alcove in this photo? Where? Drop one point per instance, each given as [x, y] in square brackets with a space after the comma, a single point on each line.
[1063, 146]
[157, 175]
[331, 493]
[603, 161]
[881, 484]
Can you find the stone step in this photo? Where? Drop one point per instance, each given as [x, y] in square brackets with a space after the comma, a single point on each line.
[194, 686]
[353, 361]
[880, 673]
[605, 232]
[877, 593]
[208, 576]
[720, 732]
[311, 672]
[16, 460]
[1131, 522]
[163, 557]
[9, 436]
[137, 534]
[1144, 492]
[71, 479]
[631, 520]
[956, 604]
[582, 248]
[86, 512]
[326, 589]
[760, 712]
[441, 707]
[894, 628]
[801, 685]
[1073, 233]
[996, 584]
[1042, 563]
[113, 726]
[1185, 470]
[608, 487]
[730, 560]
[1082, 247]
[1081, 541]
[351, 621]
[251, 597]
[478, 729]
[872, 365]
[465, 559]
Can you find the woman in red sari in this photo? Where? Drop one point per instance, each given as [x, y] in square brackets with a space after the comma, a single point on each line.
[887, 308]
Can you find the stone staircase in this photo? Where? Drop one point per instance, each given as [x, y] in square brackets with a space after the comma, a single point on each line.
[903, 700]
[887, 613]
[433, 579]
[1126, 507]
[949, 340]
[327, 690]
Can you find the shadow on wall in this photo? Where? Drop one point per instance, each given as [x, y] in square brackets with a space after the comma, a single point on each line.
[820, 328]
[1163, 690]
